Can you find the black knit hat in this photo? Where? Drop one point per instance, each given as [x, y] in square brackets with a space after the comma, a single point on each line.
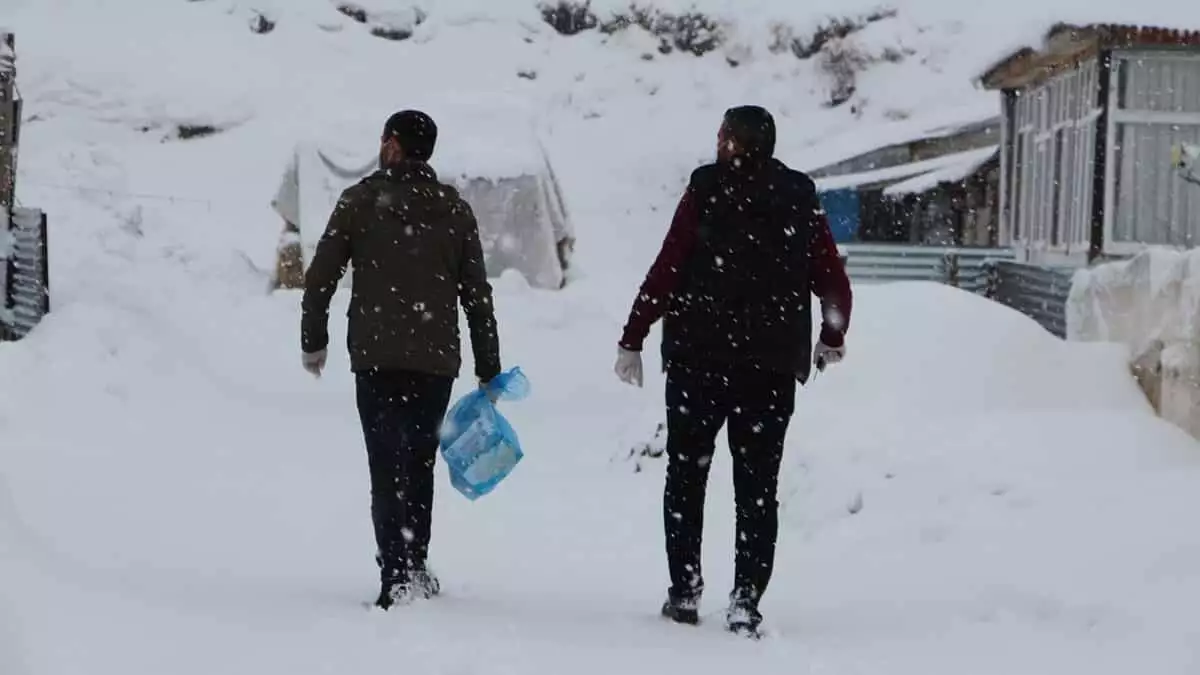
[753, 128]
[415, 131]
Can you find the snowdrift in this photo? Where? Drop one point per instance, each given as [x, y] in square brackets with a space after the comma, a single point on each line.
[1149, 304]
[495, 158]
[963, 354]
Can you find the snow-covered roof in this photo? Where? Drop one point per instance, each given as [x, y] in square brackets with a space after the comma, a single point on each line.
[1065, 42]
[949, 164]
[968, 164]
[858, 141]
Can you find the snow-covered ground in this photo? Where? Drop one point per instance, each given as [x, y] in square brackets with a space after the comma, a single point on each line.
[965, 494]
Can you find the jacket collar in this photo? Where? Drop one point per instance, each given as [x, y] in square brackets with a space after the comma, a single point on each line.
[747, 164]
[410, 171]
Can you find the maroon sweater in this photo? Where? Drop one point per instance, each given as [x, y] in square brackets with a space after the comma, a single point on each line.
[827, 279]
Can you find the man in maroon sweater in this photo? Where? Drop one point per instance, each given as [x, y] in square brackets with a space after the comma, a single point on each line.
[748, 248]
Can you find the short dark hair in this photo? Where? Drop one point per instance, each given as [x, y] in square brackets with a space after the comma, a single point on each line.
[415, 131]
[753, 128]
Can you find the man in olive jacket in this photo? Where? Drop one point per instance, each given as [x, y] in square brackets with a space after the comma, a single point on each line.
[415, 250]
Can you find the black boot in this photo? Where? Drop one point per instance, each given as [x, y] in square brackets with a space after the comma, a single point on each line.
[684, 610]
[425, 584]
[392, 594]
[743, 617]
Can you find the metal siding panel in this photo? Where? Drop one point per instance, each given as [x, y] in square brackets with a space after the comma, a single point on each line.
[1028, 217]
[1036, 291]
[884, 263]
[1161, 81]
[27, 285]
[1089, 150]
[1003, 223]
[1111, 174]
[1066, 186]
[1154, 206]
[1086, 164]
[1045, 189]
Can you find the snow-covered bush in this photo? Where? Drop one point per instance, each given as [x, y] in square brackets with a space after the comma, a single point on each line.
[260, 23]
[808, 46]
[841, 61]
[691, 32]
[390, 25]
[569, 18]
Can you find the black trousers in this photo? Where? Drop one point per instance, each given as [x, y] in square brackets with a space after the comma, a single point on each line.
[401, 412]
[757, 406]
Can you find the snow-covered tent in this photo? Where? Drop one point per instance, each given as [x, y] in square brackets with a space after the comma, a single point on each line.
[493, 156]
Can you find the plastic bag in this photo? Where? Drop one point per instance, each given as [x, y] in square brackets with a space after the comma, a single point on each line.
[479, 446]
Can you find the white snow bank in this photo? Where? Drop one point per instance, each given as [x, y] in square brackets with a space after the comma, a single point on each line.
[958, 353]
[1154, 296]
[1150, 305]
[964, 471]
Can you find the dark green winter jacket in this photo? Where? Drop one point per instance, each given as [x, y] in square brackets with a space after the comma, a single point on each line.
[415, 251]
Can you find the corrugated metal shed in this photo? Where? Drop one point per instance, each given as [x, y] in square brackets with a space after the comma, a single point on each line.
[27, 279]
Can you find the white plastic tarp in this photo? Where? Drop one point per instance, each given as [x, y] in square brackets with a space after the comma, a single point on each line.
[495, 159]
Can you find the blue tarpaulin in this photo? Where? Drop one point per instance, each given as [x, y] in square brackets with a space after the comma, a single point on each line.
[841, 207]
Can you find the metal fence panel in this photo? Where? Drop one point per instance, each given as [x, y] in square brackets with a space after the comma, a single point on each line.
[1035, 291]
[27, 281]
[961, 267]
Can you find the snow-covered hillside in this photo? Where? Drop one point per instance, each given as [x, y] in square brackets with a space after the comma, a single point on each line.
[964, 495]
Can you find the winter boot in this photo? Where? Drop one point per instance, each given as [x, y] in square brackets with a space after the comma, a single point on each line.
[393, 594]
[684, 610]
[743, 618]
[425, 584]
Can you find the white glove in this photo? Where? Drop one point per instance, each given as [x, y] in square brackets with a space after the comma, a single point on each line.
[824, 355]
[629, 367]
[315, 363]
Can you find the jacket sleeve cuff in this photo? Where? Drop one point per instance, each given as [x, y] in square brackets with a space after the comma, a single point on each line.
[831, 337]
[488, 372]
[313, 341]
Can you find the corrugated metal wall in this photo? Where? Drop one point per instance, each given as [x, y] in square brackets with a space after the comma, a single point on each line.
[881, 263]
[26, 289]
[1049, 190]
[1158, 106]
[1033, 290]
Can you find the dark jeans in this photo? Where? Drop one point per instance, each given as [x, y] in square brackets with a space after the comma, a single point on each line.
[757, 406]
[401, 412]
